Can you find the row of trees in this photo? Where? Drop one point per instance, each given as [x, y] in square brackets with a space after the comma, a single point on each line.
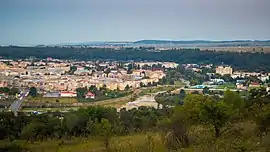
[219, 115]
[237, 60]
[9, 91]
[92, 121]
[101, 93]
[174, 121]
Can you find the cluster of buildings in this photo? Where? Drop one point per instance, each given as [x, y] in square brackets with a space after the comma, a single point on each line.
[66, 76]
[241, 77]
[242, 80]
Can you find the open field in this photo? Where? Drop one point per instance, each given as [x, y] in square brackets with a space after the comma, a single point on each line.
[226, 86]
[44, 107]
[52, 100]
[145, 91]
[49, 109]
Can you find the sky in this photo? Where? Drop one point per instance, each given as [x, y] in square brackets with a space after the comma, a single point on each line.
[32, 22]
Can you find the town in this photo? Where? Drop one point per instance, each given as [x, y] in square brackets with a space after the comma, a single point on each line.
[81, 81]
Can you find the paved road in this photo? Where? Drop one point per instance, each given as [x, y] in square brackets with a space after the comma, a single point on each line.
[15, 106]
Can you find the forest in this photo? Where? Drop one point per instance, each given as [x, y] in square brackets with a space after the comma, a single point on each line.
[190, 122]
[258, 61]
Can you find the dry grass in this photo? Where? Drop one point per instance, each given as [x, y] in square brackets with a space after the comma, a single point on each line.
[239, 138]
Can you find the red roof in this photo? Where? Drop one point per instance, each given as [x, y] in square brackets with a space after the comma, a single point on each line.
[67, 92]
[255, 83]
[90, 94]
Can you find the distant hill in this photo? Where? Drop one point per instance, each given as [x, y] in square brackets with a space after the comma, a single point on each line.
[196, 41]
[205, 43]
[191, 43]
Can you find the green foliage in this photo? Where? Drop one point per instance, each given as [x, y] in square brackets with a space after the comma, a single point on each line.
[234, 100]
[127, 87]
[202, 109]
[167, 99]
[13, 91]
[202, 123]
[205, 90]
[33, 92]
[81, 92]
[216, 114]
[32, 130]
[239, 60]
[262, 118]
[11, 147]
[102, 93]
[4, 89]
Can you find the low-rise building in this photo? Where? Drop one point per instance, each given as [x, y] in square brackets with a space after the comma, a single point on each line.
[52, 95]
[68, 94]
[241, 86]
[90, 95]
[254, 85]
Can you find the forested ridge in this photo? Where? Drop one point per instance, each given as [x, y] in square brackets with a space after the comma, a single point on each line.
[258, 61]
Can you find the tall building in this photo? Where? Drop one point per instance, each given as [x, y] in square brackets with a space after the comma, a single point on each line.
[222, 70]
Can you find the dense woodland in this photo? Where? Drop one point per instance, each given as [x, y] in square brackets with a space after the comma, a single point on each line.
[249, 61]
[188, 122]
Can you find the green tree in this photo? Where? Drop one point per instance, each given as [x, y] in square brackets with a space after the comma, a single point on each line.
[127, 87]
[93, 89]
[31, 131]
[81, 92]
[199, 109]
[104, 129]
[175, 132]
[182, 94]
[129, 70]
[261, 115]
[205, 90]
[234, 100]
[227, 78]
[33, 92]
[4, 89]
[216, 114]
[13, 91]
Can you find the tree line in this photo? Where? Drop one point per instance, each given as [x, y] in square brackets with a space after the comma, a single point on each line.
[258, 61]
[175, 121]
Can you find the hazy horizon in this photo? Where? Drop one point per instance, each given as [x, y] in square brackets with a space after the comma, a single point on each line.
[31, 22]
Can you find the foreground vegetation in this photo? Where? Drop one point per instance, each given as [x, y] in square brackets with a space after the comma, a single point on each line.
[199, 123]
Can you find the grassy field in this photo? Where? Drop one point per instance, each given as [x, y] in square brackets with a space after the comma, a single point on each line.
[52, 100]
[49, 109]
[241, 137]
[146, 91]
[116, 103]
[226, 86]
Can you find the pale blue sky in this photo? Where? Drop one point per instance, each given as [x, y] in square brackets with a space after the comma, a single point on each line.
[62, 21]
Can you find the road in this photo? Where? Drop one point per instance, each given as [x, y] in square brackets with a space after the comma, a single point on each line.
[15, 106]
